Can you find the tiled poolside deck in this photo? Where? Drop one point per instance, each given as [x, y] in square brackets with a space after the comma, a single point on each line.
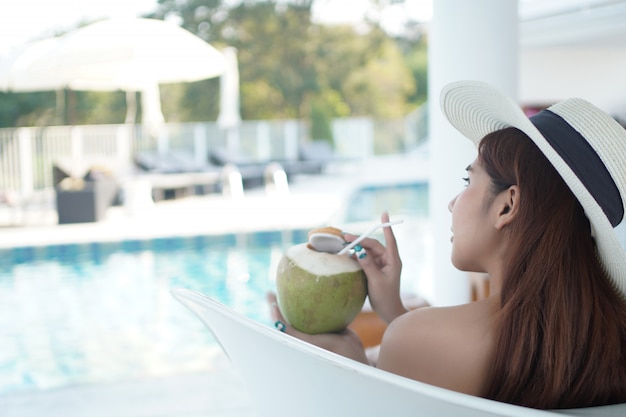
[313, 201]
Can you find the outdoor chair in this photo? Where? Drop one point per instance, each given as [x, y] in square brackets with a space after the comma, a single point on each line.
[187, 162]
[252, 172]
[172, 162]
[316, 154]
[176, 173]
[287, 377]
[154, 163]
[84, 190]
[313, 156]
[222, 156]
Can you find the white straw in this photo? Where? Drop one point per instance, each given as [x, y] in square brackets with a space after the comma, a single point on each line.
[366, 234]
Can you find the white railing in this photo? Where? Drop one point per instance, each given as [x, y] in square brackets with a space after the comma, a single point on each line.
[28, 154]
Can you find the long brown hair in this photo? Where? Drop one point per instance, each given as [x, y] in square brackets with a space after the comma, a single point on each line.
[562, 338]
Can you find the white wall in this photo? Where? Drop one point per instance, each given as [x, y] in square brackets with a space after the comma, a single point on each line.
[468, 40]
[596, 74]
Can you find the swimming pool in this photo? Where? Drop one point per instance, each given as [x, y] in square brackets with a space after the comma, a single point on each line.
[102, 312]
[403, 199]
[73, 314]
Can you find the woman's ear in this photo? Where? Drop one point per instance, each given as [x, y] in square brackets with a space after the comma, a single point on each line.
[507, 205]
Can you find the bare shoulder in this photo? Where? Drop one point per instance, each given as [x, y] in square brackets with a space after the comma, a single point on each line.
[444, 346]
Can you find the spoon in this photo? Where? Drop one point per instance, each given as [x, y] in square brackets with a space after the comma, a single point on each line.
[366, 234]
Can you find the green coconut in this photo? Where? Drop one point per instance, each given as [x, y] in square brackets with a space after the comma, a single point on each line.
[319, 292]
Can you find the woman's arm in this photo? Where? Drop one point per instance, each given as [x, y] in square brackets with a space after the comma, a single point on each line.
[346, 343]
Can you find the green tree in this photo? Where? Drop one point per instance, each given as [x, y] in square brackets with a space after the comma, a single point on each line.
[414, 46]
[368, 71]
[275, 67]
[290, 67]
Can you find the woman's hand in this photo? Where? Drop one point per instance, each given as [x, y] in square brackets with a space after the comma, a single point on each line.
[382, 266]
[346, 343]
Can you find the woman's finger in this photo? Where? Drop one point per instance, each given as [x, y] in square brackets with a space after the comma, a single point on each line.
[373, 246]
[279, 321]
[390, 238]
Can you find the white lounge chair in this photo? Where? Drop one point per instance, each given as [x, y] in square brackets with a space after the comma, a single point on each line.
[287, 377]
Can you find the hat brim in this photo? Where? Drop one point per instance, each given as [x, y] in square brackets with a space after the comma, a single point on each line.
[476, 109]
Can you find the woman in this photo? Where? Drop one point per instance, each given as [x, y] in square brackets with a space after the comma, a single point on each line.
[537, 215]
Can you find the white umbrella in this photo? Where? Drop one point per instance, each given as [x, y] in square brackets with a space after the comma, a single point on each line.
[16, 64]
[125, 54]
[130, 54]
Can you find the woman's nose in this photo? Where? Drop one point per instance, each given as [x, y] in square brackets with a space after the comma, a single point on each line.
[451, 204]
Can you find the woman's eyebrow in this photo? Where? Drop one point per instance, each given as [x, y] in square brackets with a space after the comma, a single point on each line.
[469, 167]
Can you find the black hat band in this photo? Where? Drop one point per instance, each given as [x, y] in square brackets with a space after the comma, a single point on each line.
[583, 161]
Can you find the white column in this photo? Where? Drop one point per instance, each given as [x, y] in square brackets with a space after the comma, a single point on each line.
[468, 40]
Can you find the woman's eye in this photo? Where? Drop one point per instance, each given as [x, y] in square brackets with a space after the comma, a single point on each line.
[466, 180]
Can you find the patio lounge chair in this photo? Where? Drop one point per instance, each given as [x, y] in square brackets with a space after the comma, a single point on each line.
[172, 162]
[154, 162]
[312, 158]
[287, 377]
[252, 172]
[177, 173]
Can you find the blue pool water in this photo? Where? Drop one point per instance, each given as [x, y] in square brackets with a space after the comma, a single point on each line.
[102, 312]
[75, 314]
[366, 203]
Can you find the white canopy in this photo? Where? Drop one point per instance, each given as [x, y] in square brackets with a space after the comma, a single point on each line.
[116, 54]
[130, 54]
[17, 64]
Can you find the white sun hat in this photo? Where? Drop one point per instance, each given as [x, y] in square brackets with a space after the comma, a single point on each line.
[585, 145]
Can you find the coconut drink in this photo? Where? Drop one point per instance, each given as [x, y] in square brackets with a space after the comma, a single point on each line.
[317, 291]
